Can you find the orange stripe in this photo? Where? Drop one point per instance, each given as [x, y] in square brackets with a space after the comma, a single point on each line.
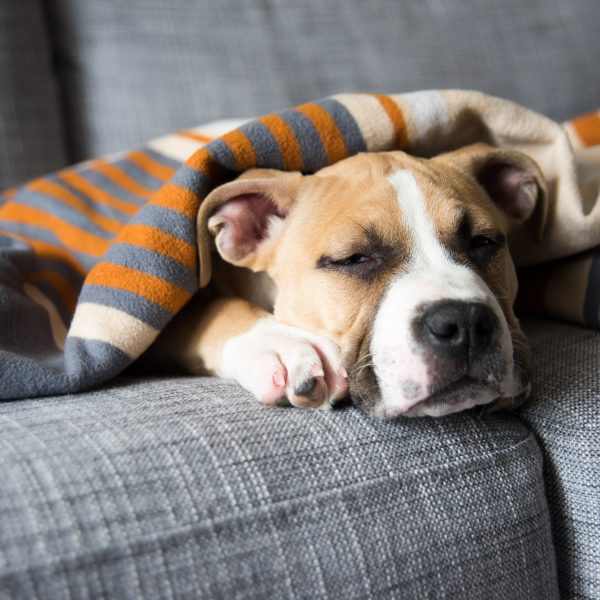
[588, 128]
[178, 199]
[96, 194]
[120, 178]
[49, 188]
[68, 294]
[332, 139]
[161, 242]
[9, 193]
[286, 140]
[53, 252]
[159, 291]
[397, 118]
[71, 236]
[150, 166]
[242, 148]
[202, 161]
[198, 137]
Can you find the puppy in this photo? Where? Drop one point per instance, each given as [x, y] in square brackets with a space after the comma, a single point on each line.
[384, 276]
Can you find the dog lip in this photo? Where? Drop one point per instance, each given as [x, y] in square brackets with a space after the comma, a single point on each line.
[453, 393]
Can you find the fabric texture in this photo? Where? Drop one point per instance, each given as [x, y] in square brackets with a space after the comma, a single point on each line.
[564, 414]
[32, 131]
[188, 488]
[132, 235]
[134, 70]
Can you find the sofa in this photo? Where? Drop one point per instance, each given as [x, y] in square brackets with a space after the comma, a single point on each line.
[167, 486]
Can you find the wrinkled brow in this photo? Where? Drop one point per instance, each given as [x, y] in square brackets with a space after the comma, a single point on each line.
[392, 250]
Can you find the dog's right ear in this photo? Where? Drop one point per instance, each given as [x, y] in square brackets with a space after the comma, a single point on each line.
[245, 217]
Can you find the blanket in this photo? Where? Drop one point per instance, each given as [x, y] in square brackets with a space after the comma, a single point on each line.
[96, 259]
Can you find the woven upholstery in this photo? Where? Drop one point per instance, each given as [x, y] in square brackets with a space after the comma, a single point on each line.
[188, 488]
[31, 127]
[565, 416]
[139, 68]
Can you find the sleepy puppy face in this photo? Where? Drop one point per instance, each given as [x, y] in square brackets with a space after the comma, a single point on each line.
[402, 261]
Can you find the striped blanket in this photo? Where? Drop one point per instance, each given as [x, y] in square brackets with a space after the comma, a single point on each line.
[96, 259]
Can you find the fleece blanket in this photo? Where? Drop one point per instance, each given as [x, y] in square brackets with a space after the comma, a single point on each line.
[96, 259]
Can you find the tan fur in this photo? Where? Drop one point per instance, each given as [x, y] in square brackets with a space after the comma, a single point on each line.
[328, 214]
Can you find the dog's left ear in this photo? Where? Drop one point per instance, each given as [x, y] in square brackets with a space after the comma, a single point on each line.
[512, 180]
[244, 217]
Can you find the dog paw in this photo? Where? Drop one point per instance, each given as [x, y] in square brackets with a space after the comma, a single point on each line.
[277, 362]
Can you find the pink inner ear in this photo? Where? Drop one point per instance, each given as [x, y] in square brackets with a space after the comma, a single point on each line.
[244, 222]
[511, 188]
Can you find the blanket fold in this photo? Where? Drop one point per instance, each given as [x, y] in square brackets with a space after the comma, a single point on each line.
[96, 259]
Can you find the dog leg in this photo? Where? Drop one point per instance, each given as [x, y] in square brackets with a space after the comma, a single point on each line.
[232, 338]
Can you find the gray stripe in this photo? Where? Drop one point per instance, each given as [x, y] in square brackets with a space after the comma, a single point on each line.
[57, 208]
[97, 207]
[44, 235]
[22, 376]
[17, 258]
[169, 221]
[152, 263]
[265, 145]
[192, 180]
[89, 362]
[591, 310]
[136, 306]
[138, 174]
[346, 124]
[108, 186]
[51, 293]
[43, 263]
[34, 365]
[311, 146]
[222, 154]
[161, 158]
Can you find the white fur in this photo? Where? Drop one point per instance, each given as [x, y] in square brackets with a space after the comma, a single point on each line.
[431, 275]
[270, 347]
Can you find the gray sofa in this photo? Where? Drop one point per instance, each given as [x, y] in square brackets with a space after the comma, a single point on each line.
[177, 487]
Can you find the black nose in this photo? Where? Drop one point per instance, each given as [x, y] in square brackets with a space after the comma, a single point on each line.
[460, 330]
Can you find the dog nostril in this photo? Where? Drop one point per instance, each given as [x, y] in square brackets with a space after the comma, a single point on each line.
[443, 325]
[484, 320]
[458, 329]
[444, 330]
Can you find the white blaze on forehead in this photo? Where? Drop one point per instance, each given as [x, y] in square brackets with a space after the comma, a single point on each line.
[430, 275]
[426, 247]
[430, 260]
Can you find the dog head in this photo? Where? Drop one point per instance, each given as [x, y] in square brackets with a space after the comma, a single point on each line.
[402, 261]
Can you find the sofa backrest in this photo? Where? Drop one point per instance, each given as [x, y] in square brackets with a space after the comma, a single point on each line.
[131, 70]
[32, 131]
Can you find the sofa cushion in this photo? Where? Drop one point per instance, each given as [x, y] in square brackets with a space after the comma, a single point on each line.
[186, 488]
[135, 69]
[31, 126]
[565, 415]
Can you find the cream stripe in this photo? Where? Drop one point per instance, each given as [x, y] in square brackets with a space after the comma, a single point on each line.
[57, 327]
[181, 148]
[372, 120]
[572, 134]
[174, 146]
[107, 324]
[427, 118]
[218, 128]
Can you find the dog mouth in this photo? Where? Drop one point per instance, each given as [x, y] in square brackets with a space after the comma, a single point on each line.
[446, 398]
[457, 392]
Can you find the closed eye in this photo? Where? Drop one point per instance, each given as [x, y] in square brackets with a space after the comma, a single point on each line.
[362, 265]
[481, 245]
[366, 260]
[353, 259]
[486, 241]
